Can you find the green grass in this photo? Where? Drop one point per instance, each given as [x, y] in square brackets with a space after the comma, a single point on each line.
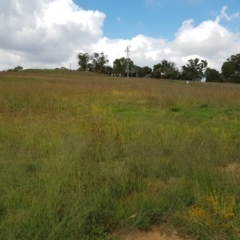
[83, 155]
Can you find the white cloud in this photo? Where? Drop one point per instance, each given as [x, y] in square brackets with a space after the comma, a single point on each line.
[50, 33]
[224, 15]
[209, 40]
[46, 32]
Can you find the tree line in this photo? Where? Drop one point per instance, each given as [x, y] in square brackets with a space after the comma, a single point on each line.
[193, 70]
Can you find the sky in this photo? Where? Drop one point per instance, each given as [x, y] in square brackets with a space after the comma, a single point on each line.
[50, 33]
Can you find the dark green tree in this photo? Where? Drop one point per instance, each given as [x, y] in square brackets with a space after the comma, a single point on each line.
[137, 71]
[141, 71]
[231, 69]
[146, 71]
[108, 70]
[166, 70]
[83, 61]
[194, 70]
[122, 65]
[99, 61]
[18, 68]
[90, 67]
[212, 75]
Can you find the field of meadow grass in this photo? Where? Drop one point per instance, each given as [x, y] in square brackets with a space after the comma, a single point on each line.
[85, 156]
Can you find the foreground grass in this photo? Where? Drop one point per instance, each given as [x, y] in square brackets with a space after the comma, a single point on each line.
[83, 155]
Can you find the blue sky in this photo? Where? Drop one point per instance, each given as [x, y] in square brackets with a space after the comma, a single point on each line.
[157, 18]
[50, 33]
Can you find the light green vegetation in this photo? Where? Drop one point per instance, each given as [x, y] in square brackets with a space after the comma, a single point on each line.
[83, 155]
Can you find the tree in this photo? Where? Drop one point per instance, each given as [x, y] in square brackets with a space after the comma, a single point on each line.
[90, 67]
[146, 71]
[122, 65]
[165, 69]
[231, 69]
[99, 61]
[212, 75]
[131, 68]
[137, 71]
[18, 68]
[108, 70]
[194, 70]
[83, 60]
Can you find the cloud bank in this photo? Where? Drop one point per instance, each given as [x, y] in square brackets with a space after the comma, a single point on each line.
[45, 33]
[50, 33]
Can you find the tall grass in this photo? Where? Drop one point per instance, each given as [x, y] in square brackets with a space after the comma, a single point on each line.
[83, 155]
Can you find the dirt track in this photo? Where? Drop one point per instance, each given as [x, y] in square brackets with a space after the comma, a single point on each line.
[154, 235]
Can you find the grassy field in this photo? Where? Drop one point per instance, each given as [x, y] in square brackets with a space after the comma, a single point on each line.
[83, 156]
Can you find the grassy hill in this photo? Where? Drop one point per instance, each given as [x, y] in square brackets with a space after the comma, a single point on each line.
[84, 155]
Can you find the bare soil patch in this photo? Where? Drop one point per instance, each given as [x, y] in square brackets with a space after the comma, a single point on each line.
[231, 168]
[154, 234]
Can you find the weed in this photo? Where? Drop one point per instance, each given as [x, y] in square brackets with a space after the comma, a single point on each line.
[85, 154]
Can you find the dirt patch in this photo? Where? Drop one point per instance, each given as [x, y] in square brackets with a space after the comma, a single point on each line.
[154, 234]
[231, 168]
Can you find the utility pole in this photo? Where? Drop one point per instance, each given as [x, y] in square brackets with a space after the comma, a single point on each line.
[127, 51]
